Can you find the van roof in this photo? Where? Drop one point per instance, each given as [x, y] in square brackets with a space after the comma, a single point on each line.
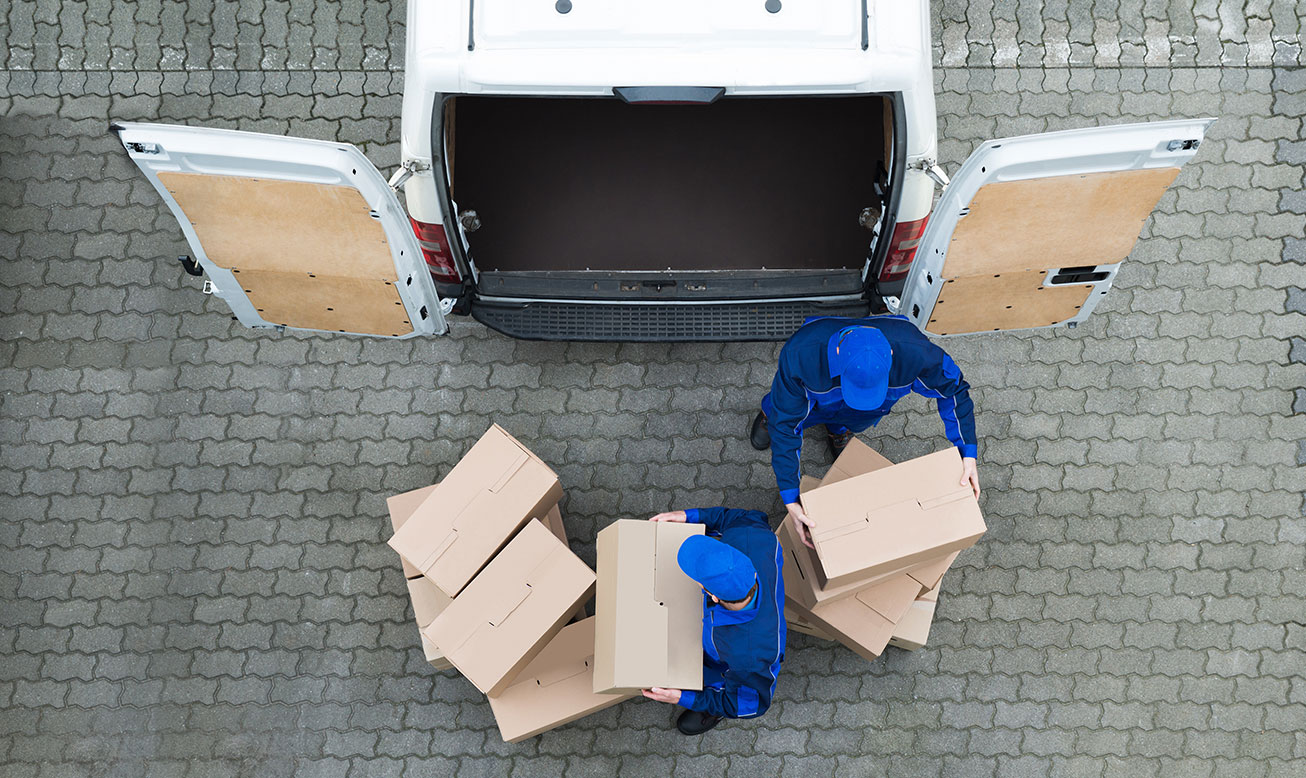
[806, 46]
[826, 24]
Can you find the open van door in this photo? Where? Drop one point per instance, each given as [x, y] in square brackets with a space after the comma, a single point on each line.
[292, 233]
[1032, 230]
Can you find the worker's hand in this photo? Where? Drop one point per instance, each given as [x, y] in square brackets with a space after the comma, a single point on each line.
[802, 523]
[670, 516]
[970, 475]
[662, 695]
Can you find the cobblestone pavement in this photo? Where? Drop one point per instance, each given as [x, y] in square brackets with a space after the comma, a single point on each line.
[192, 570]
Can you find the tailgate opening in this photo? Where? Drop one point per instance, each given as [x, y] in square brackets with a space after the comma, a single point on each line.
[745, 196]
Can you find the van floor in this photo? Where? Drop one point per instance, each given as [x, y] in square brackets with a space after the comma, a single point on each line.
[598, 184]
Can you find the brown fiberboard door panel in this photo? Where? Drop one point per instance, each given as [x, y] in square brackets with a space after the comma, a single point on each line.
[333, 303]
[1004, 301]
[287, 226]
[1059, 221]
[307, 255]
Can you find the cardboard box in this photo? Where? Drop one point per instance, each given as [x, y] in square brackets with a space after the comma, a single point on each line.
[801, 571]
[496, 488]
[891, 518]
[401, 506]
[865, 621]
[649, 628]
[914, 629]
[555, 688]
[797, 624]
[504, 617]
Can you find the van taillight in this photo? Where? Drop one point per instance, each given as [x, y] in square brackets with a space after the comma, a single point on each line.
[435, 248]
[902, 249]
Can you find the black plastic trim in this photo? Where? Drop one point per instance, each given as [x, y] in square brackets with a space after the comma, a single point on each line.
[655, 323]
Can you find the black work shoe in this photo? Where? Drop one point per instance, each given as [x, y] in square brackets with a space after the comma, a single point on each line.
[838, 443]
[691, 722]
[759, 435]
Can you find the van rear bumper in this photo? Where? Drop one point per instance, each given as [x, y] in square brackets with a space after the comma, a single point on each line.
[655, 322]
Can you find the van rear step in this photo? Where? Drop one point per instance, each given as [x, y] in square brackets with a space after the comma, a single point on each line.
[655, 323]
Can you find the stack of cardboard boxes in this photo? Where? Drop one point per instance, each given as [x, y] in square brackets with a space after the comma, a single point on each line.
[494, 585]
[885, 534]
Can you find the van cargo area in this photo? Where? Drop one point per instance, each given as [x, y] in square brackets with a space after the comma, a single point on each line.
[756, 197]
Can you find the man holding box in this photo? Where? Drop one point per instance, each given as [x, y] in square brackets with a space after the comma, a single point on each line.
[847, 374]
[738, 565]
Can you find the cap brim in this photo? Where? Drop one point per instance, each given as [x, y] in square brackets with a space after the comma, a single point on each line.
[865, 398]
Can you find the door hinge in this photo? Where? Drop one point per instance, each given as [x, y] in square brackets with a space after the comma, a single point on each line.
[932, 169]
[406, 171]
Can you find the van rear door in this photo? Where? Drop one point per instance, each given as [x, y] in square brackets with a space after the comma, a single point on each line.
[292, 233]
[1032, 230]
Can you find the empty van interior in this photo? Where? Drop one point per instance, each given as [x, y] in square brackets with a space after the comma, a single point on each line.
[596, 184]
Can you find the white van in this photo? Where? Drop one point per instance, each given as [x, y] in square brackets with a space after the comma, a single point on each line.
[663, 171]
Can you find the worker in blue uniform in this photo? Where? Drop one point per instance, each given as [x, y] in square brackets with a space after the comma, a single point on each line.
[737, 562]
[847, 374]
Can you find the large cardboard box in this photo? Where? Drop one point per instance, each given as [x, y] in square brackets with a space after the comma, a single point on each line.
[504, 617]
[557, 687]
[865, 621]
[469, 516]
[914, 629]
[892, 518]
[649, 628]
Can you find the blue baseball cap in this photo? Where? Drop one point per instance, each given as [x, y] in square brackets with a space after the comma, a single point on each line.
[720, 568]
[861, 357]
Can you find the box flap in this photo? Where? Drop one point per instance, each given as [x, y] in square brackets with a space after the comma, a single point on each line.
[892, 598]
[930, 573]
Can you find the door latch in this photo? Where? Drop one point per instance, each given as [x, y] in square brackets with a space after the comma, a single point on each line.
[1183, 145]
[209, 288]
[144, 148]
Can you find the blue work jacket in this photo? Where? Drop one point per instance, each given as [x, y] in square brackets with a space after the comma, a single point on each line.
[804, 393]
[743, 649]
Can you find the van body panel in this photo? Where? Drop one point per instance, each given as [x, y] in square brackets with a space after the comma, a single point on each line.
[1032, 230]
[292, 233]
